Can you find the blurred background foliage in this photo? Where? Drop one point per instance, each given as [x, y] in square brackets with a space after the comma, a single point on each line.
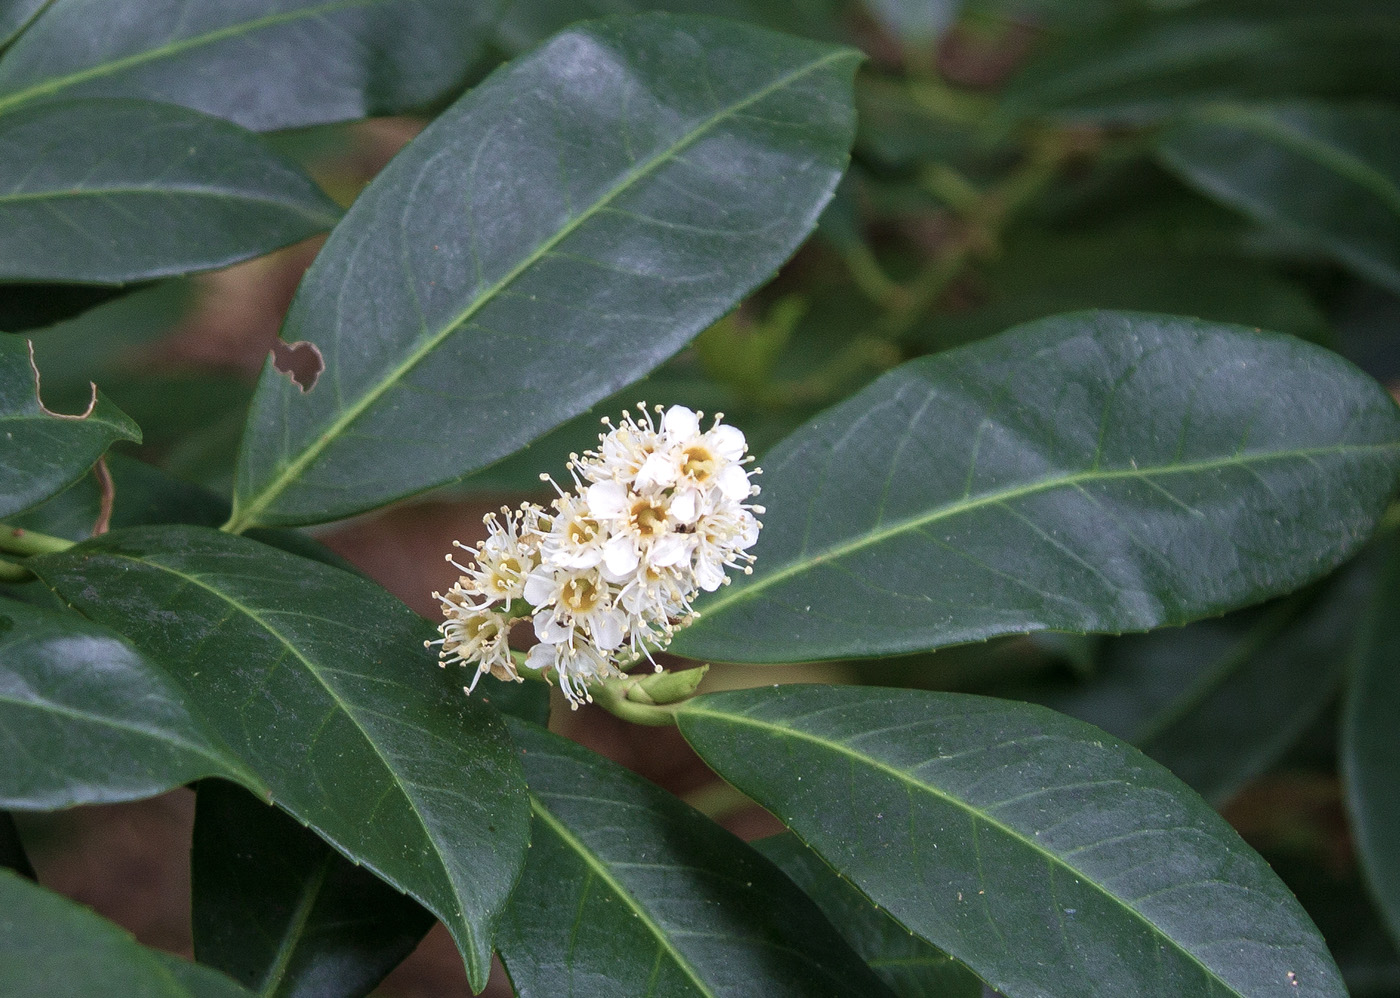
[1236, 160]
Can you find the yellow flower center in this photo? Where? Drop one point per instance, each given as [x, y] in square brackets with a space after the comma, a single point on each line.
[582, 530]
[581, 596]
[699, 463]
[649, 517]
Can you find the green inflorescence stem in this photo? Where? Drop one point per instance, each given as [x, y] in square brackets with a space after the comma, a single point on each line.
[10, 572]
[17, 540]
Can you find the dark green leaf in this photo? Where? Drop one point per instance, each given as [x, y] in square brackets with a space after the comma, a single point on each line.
[142, 494]
[560, 231]
[1157, 66]
[1030, 846]
[1370, 746]
[281, 912]
[1326, 175]
[265, 64]
[12, 854]
[1335, 897]
[100, 341]
[52, 947]
[1220, 701]
[15, 16]
[911, 967]
[1044, 274]
[526, 23]
[318, 681]
[114, 191]
[1092, 472]
[85, 718]
[628, 891]
[43, 451]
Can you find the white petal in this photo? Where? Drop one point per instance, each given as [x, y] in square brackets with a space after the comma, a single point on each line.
[734, 482]
[670, 550]
[550, 630]
[539, 587]
[607, 499]
[680, 423]
[709, 575]
[683, 508]
[748, 530]
[542, 656]
[728, 442]
[607, 629]
[580, 557]
[658, 471]
[620, 558]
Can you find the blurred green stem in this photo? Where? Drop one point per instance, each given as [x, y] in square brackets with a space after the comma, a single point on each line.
[17, 540]
[982, 216]
[10, 572]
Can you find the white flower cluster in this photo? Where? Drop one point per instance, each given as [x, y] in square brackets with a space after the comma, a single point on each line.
[607, 575]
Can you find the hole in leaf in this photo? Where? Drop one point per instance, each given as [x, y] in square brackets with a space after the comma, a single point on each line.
[39, 393]
[300, 361]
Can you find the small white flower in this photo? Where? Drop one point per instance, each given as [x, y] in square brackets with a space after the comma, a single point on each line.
[577, 537]
[502, 561]
[610, 574]
[475, 635]
[568, 602]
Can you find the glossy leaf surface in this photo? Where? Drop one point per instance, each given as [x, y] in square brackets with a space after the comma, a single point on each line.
[265, 64]
[561, 230]
[51, 946]
[114, 191]
[86, 718]
[627, 891]
[44, 451]
[908, 965]
[283, 913]
[1024, 843]
[15, 15]
[1327, 175]
[523, 24]
[1370, 750]
[1219, 701]
[318, 680]
[1097, 471]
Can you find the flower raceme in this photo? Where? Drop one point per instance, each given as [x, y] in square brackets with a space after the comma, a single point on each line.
[607, 573]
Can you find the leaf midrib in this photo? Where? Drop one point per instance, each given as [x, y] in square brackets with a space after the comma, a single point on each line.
[175, 48]
[209, 193]
[245, 516]
[223, 766]
[973, 812]
[946, 511]
[1320, 150]
[339, 702]
[296, 928]
[605, 874]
